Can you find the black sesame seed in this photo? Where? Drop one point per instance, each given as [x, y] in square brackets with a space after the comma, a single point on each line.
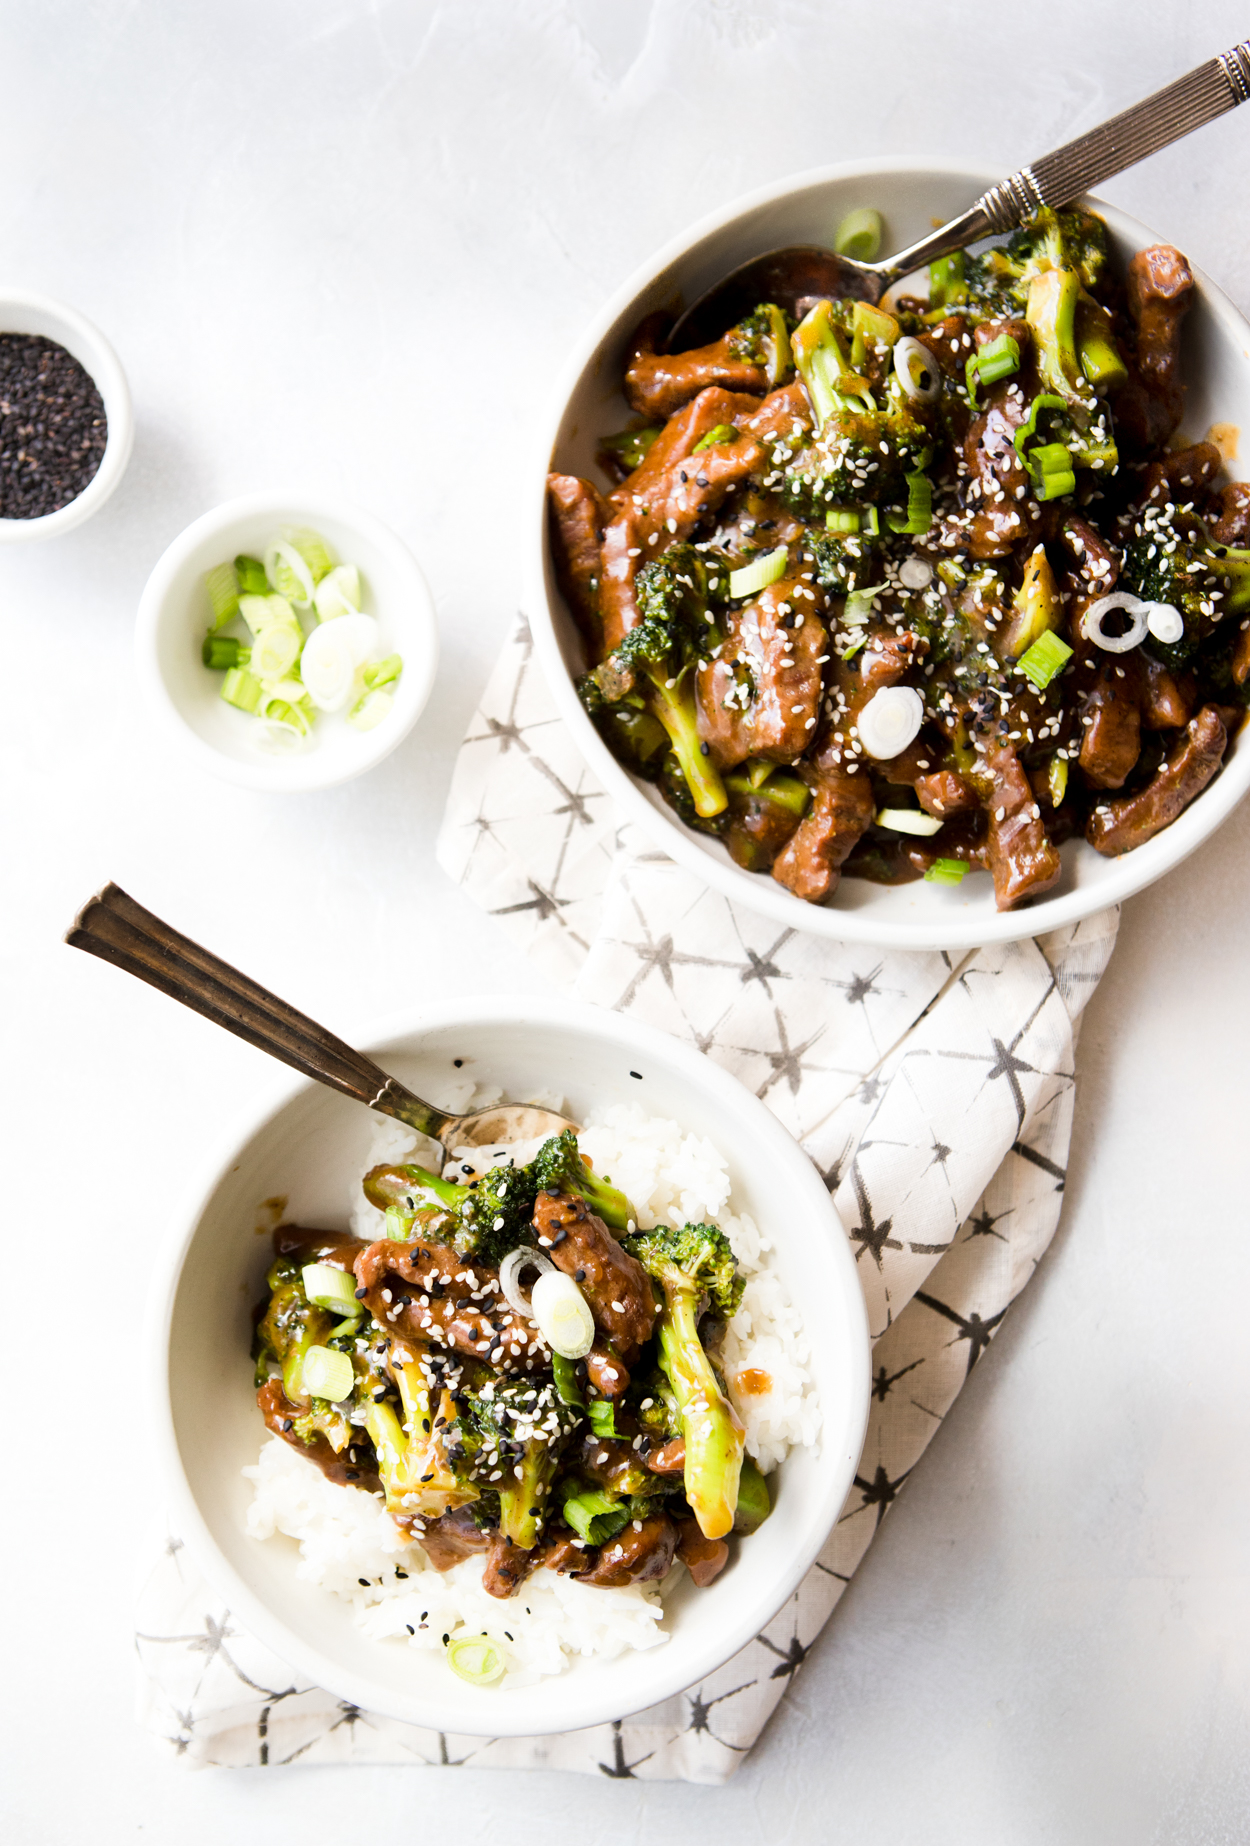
[637, 1074]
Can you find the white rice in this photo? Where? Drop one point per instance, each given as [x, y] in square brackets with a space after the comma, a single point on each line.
[345, 1536]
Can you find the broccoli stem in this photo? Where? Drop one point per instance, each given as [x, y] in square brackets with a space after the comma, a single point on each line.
[675, 708]
[714, 1436]
[411, 1463]
[522, 1503]
[1051, 314]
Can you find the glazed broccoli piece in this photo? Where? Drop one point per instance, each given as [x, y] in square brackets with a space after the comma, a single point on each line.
[291, 1324]
[489, 1216]
[763, 338]
[997, 282]
[656, 663]
[516, 1429]
[559, 1167]
[417, 1460]
[1172, 560]
[690, 1265]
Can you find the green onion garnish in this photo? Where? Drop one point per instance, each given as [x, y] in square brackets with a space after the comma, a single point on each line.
[786, 791]
[919, 515]
[724, 432]
[328, 1287]
[1046, 401]
[276, 649]
[241, 690]
[858, 606]
[289, 574]
[1047, 656]
[946, 872]
[759, 573]
[338, 593]
[842, 519]
[1050, 466]
[565, 1374]
[370, 709]
[602, 1417]
[999, 358]
[909, 820]
[251, 575]
[859, 235]
[594, 1517]
[476, 1659]
[222, 651]
[328, 1374]
[382, 672]
[631, 445]
[1057, 779]
[314, 551]
[222, 584]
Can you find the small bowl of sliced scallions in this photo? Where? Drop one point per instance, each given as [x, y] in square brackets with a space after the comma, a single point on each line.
[290, 646]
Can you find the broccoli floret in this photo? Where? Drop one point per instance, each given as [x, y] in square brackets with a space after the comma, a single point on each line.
[1204, 581]
[290, 1325]
[518, 1430]
[844, 561]
[656, 662]
[559, 1167]
[691, 1264]
[763, 338]
[997, 282]
[488, 1216]
[420, 1465]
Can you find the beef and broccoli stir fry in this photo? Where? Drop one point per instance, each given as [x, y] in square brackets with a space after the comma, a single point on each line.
[593, 1436]
[897, 594]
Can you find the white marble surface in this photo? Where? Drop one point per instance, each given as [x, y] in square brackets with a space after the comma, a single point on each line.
[341, 245]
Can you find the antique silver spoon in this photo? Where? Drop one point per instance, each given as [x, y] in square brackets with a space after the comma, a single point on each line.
[120, 931]
[800, 271]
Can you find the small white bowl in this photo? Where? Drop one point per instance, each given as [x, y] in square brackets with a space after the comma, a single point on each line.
[311, 1148]
[38, 314]
[184, 694]
[912, 197]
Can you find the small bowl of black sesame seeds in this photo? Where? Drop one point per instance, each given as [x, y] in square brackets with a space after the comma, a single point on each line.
[66, 426]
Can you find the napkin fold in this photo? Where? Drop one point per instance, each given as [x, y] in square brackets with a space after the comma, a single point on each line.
[934, 1093]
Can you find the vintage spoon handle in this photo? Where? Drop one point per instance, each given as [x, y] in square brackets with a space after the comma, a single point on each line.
[1055, 179]
[118, 930]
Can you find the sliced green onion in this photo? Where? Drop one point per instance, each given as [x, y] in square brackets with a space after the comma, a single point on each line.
[251, 575]
[842, 519]
[476, 1659]
[594, 1517]
[289, 574]
[565, 1373]
[328, 1374]
[631, 445]
[778, 359]
[724, 432]
[328, 1287]
[383, 672]
[872, 330]
[1050, 466]
[276, 650]
[333, 655]
[241, 690]
[997, 359]
[562, 1314]
[259, 611]
[946, 872]
[859, 605]
[222, 584]
[919, 514]
[280, 706]
[759, 573]
[1047, 656]
[350, 1325]
[1057, 779]
[854, 648]
[909, 820]
[786, 791]
[338, 593]
[314, 551]
[602, 1417]
[222, 651]
[1046, 400]
[859, 235]
[369, 710]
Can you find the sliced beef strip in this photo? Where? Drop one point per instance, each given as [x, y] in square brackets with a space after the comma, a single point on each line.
[945, 792]
[1159, 287]
[1112, 741]
[440, 1298]
[280, 1413]
[1006, 515]
[614, 1283]
[1022, 859]
[452, 1538]
[704, 1558]
[1232, 527]
[338, 1249]
[757, 832]
[657, 384]
[1184, 475]
[1118, 826]
[642, 1553]
[670, 1458]
[777, 642]
[810, 864]
[577, 515]
[1166, 701]
[506, 1567]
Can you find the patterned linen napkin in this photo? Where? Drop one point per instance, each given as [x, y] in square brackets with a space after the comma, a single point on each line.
[933, 1092]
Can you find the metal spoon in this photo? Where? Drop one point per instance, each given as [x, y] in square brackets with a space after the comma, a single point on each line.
[120, 931]
[800, 271]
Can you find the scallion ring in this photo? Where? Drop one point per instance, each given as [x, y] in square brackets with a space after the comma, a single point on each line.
[1136, 632]
[328, 1287]
[916, 369]
[332, 655]
[1165, 622]
[289, 574]
[338, 593]
[563, 1315]
[328, 1374]
[890, 721]
[909, 820]
[476, 1659]
[512, 1268]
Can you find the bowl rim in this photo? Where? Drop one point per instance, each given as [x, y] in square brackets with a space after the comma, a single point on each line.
[1125, 876]
[84, 341]
[303, 773]
[191, 1525]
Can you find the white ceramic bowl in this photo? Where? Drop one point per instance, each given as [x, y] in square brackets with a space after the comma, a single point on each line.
[183, 693]
[310, 1147]
[911, 196]
[38, 314]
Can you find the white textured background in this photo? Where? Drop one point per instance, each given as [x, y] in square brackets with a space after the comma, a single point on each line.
[343, 246]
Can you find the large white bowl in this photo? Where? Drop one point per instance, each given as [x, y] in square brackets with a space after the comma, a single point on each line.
[310, 1147]
[52, 320]
[183, 694]
[588, 404]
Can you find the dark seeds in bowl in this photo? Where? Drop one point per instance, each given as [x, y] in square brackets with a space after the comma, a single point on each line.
[53, 429]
